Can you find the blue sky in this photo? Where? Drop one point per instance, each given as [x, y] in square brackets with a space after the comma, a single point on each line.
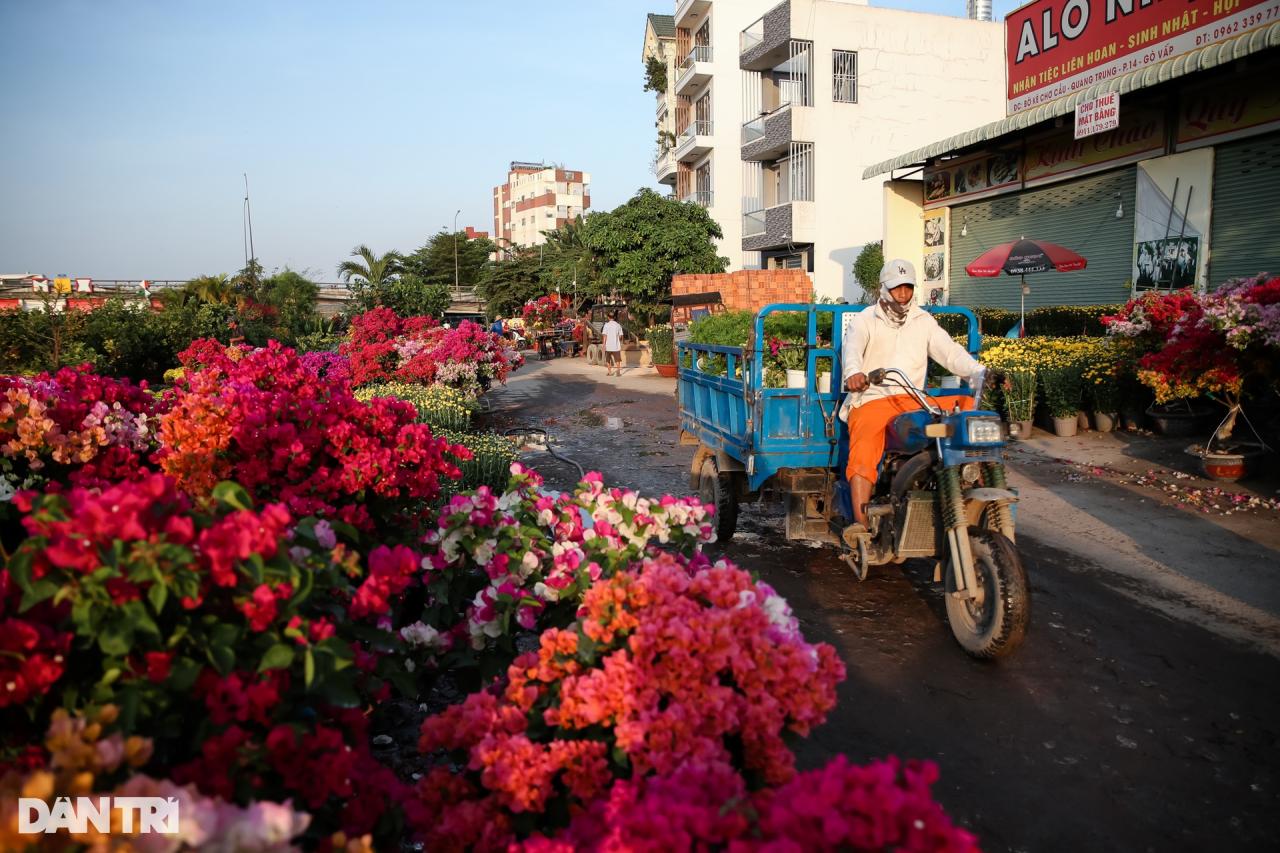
[128, 124]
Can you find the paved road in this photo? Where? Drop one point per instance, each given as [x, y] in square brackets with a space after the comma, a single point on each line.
[1122, 724]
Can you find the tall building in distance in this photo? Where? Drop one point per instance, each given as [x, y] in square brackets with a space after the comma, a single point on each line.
[780, 106]
[537, 198]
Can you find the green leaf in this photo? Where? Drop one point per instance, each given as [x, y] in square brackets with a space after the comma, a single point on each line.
[158, 595]
[39, 591]
[308, 669]
[140, 619]
[110, 676]
[183, 674]
[223, 658]
[278, 656]
[233, 495]
[115, 640]
[586, 648]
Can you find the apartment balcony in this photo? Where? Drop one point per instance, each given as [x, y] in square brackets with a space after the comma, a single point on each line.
[702, 197]
[691, 13]
[778, 226]
[694, 142]
[766, 43]
[695, 70]
[665, 168]
[767, 137]
[662, 104]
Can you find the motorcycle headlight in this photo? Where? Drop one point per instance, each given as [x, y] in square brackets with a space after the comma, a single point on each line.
[984, 431]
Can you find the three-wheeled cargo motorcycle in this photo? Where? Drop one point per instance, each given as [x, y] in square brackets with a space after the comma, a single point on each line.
[941, 492]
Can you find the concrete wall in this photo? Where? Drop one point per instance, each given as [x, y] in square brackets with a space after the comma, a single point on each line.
[904, 224]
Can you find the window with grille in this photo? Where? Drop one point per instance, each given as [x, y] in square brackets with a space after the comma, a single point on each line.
[844, 76]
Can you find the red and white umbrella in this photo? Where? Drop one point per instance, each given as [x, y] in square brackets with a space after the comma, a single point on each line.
[1024, 256]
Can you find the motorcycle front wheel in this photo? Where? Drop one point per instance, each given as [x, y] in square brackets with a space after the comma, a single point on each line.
[996, 627]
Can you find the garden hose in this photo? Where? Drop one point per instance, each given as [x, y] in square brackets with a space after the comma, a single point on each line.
[536, 438]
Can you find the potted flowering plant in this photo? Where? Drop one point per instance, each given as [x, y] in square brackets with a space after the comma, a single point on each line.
[1062, 392]
[1101, 378]
[789, 355]
[662, 348]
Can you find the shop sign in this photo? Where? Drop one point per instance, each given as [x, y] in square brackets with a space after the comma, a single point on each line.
[1058, 155]
[934, 291]
[1098, 114]
[1055, 48]
[1221, 111]
[973, 177]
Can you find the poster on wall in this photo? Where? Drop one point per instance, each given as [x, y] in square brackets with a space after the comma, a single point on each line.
[934, 273]
[1171, 221]
[974, 177]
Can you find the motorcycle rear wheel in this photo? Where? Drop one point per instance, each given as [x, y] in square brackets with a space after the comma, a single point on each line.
[997, 627]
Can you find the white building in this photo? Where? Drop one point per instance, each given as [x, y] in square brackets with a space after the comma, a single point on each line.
[660, 46]
[781, 106]
[537, 198]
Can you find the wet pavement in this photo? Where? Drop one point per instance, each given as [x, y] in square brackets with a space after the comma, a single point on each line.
[1141, 713]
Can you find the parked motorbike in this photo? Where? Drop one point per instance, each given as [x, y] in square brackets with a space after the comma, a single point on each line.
[942, 493]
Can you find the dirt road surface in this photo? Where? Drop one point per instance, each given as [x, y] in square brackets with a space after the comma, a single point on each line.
[1141, 714]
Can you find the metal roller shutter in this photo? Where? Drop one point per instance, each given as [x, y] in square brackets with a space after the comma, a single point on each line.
[1079, 214]
[1246, 180]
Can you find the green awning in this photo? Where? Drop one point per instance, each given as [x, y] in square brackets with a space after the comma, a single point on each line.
[1200, 59]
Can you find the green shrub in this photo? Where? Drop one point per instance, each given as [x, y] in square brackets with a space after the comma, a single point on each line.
[662, 345]
[1050, 321]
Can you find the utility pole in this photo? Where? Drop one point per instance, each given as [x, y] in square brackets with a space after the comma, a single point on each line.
[455, 250]
[248, 212]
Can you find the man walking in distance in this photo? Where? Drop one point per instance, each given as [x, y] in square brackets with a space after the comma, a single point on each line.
[612, 334]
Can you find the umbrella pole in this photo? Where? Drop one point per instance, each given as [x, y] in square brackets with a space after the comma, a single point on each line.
[1022, 319]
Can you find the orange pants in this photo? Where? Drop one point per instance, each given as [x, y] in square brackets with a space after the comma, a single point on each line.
[868, 422]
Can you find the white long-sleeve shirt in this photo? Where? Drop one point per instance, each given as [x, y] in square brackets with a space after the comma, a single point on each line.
[870, 341]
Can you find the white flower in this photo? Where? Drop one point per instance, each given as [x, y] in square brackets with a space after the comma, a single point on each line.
[421, 635]
[409, 665]
[484, 552]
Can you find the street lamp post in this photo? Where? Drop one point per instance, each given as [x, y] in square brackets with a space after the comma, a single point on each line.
[455, 250]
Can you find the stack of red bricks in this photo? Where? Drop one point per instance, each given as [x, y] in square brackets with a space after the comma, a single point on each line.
[748, 290]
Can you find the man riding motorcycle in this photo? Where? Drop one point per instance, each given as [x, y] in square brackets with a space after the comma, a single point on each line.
[895, 332]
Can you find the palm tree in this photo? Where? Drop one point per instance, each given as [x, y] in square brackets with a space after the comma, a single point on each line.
[375, 270]
[209, 290]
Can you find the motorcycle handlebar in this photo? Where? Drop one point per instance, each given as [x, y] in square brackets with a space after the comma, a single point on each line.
[876, 376]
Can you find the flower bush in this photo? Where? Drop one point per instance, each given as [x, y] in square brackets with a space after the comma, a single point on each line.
[662, 344]
[499, 564]
[886, 805]
[86, 755]
[384, 347]
[73, 426]
[490, 464]
[543, 312]
[664, 668]
[263, 420]
[262, 630]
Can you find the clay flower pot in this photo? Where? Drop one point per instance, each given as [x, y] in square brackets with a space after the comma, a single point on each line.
[667, 370]
[1230, 464]
[1066, 426]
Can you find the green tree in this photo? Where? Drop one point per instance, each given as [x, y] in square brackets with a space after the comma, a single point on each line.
[568, 263]
[205, 289]
[410, 296]
[641, 244]
[506, 286]
[371, 268]
[866, 269]
[655, 75]
[292, 300]
[433, 262]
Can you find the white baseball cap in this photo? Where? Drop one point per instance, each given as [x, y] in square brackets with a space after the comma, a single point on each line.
[896, 273]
